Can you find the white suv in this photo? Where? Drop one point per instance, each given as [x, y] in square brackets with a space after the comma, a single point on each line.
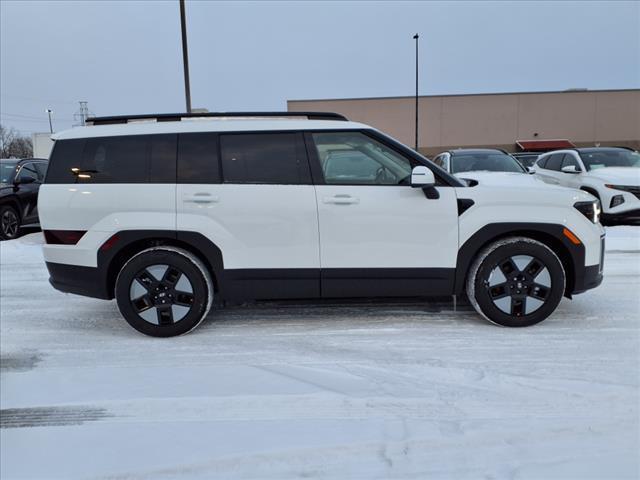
[610, 174]
[171, 214]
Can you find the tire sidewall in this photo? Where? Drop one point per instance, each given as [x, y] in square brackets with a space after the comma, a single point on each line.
[515, 248]
[187, 267]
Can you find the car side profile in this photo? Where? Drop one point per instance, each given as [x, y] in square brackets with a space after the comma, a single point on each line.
[484, 165]
[174, 214]
[611, 174]
[20, 180]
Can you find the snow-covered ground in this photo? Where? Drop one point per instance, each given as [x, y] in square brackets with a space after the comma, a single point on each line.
[389, 390]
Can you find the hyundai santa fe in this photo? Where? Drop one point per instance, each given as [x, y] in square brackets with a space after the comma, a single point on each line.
[173, 214]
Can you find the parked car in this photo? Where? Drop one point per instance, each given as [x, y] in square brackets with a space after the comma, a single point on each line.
[172, 216]
[20, 181]
[611, 174]
[483, 165]
[526, 159]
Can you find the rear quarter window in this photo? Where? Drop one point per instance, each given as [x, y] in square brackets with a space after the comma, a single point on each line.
[120, 159]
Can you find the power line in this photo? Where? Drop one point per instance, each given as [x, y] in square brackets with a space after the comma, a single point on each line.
[42, 100]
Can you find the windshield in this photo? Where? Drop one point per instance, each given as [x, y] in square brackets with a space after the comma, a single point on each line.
[7, 168]
[610, 158]
[492, 162]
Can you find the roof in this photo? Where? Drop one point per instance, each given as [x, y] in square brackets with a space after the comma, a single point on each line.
[471, 151]
[600, 149]
[205, 125]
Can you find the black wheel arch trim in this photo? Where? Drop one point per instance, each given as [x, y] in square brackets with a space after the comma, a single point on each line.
[572, 256]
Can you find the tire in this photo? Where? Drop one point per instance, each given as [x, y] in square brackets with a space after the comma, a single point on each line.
[164, 291]
[516, 282]
[9, 223]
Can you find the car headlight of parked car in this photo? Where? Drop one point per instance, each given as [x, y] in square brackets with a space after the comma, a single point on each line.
[590, 209]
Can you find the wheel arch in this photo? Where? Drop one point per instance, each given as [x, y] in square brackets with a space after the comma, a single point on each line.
[128, 243]
[551, 235]
[12, 201]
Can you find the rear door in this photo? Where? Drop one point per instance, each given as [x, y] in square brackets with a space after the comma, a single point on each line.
[28, 192]
[379, 236]
[251, 194]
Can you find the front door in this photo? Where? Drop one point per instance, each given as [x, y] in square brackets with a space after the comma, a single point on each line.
[378, 235]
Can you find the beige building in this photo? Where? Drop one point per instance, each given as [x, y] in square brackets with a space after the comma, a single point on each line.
[585, 118]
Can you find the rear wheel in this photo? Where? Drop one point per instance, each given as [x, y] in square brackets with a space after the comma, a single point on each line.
[164, 291]
[9, 223]
[516, 282]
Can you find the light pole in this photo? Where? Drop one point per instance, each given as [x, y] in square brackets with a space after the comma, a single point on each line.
[49, 112]
[416, 37]
[185, 57]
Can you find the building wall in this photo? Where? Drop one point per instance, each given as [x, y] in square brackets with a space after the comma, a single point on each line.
[42, 144]
[587, 118]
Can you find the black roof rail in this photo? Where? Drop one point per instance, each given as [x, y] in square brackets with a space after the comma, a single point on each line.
[177, 117]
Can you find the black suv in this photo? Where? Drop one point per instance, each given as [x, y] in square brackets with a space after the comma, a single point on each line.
[20, 181]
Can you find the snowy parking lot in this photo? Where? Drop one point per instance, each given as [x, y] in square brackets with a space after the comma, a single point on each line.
[354, 391]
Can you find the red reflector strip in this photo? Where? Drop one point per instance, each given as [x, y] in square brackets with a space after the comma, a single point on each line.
[571, 236]
[63, 237]
[110, 242]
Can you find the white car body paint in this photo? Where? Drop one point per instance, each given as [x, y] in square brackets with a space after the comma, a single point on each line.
[595, 180]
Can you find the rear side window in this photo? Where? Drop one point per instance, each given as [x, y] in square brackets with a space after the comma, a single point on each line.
[198, 160]
[121, 159]
[266, 158]
[554, 161]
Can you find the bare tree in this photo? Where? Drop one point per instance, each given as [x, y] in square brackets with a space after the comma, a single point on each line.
[14, 145]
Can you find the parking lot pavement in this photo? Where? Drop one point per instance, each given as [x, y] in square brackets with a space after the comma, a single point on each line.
[382, 390]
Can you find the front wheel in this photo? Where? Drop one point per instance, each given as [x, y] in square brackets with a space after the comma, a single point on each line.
[516, 282]
[164, 291]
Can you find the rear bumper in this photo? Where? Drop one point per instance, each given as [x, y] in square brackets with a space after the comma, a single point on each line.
[86, 281]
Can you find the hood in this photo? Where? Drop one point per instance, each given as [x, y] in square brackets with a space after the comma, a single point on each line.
[617, 175]
[511, 179]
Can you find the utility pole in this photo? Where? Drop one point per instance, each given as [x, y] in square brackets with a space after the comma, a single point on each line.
[416, 37]
[82, 114]
[49, 112]
[185, 57]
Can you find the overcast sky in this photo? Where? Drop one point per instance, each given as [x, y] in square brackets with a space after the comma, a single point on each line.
[125, 57]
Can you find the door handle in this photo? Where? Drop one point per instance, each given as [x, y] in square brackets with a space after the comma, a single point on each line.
[200, 198]
[341, 200]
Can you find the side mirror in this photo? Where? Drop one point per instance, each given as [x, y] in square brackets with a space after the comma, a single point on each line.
[24, 180]
[421, 177]
[570, 169]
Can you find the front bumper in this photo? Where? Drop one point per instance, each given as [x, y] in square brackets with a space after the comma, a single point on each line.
[630, 217]
[591, 276]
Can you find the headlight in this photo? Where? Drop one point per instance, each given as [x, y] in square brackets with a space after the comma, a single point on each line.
[591, 210]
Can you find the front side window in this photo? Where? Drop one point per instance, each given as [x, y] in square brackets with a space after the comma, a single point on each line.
[554, 161]
[610, 158]
[264, 158]
[569, 160]
[490, 162]
[353, 158]
[28, 170]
